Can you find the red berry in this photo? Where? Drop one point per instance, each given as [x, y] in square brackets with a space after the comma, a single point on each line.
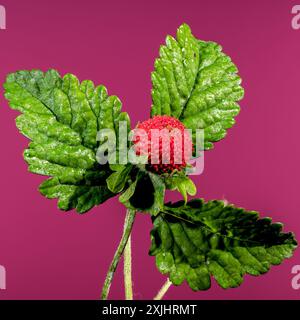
[169, 144]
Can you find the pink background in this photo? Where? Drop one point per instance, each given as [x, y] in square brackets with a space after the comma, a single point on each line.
[49, 254]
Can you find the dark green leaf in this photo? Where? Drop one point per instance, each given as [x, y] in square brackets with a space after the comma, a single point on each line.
[196, 241]
[197, 83]
[62, 117]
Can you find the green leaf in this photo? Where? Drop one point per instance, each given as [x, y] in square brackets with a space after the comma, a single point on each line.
[181, 183]
[197, 83]
[117, 180]
[62, 117]
[196, 241]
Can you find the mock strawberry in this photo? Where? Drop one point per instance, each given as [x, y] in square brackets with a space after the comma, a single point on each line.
[168, 145]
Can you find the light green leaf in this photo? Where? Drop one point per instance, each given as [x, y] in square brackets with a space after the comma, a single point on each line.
[62, 117]
[128, 193]
[197, 83]
[196, 241]
[117, 180]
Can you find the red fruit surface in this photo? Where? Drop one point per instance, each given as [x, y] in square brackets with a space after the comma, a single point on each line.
[172, 140]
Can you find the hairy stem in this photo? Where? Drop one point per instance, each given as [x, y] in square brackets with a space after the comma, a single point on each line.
[128, 271]
[130, 215]
[163, 290]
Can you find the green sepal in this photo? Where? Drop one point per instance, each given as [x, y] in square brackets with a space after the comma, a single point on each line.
[145, 193]
[182, 184]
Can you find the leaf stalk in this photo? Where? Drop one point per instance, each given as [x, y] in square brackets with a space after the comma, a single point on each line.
[128, 271]
[163, 290]
[128, 224]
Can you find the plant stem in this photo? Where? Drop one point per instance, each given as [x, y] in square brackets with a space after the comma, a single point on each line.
[128, 224]
[163, 290]
[128, 271]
